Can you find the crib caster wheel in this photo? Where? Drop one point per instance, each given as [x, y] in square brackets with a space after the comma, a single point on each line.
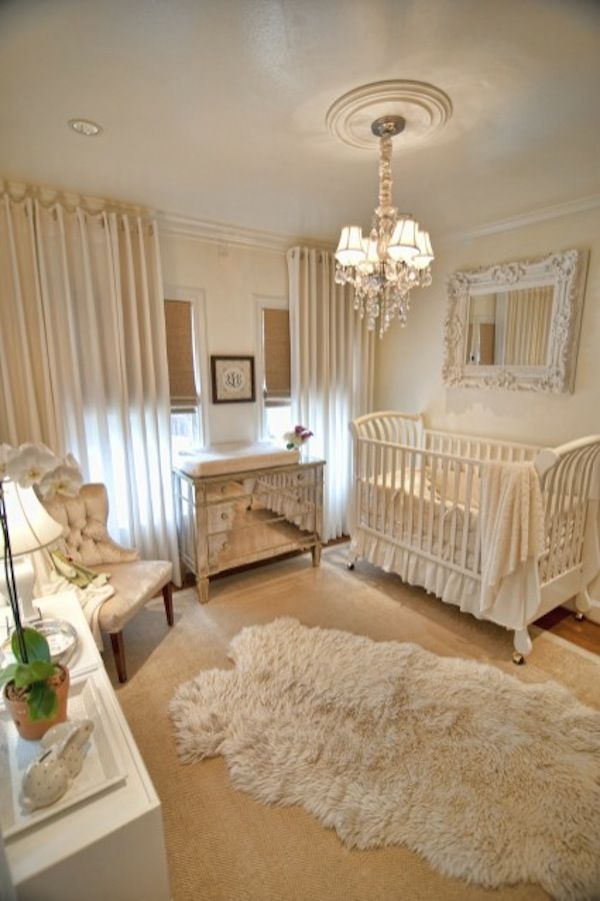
[518, 658]
[579, 616]
[350, 565]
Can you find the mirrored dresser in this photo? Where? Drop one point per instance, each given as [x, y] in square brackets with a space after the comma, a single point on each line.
[238, 504]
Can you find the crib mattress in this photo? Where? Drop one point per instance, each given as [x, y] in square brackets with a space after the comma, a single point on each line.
[222, 459]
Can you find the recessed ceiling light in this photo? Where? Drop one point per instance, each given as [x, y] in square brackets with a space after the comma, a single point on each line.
[85, 127]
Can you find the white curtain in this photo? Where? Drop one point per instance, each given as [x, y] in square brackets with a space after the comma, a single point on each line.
[528, 316]
[83, 354]
[332, 372]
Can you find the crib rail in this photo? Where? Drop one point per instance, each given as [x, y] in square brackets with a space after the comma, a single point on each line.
[422, 500]
[480, 448]
[398, 428]
[570, 479]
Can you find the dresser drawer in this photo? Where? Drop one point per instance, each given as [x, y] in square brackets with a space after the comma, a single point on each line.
[220, 517]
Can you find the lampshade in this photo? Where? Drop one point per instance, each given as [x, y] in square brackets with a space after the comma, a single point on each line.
[403, 244]
[370, 248]
[29, 525]
[350, 249]
[425, 254]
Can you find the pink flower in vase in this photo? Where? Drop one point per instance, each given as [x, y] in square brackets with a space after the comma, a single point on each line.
[297, 437]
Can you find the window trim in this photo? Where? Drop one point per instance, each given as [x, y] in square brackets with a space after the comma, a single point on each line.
[196, 297]
[263, 302]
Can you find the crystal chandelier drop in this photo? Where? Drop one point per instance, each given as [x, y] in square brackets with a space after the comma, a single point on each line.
[394, 258]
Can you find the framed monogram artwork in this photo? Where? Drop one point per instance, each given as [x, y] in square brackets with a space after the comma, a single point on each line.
[232, 380]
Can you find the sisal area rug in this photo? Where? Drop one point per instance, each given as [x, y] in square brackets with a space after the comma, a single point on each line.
[490, 779]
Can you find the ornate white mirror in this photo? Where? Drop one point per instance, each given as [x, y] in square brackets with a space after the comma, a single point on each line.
[516, 325]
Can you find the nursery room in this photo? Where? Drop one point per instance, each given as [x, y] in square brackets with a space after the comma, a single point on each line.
[299, 450]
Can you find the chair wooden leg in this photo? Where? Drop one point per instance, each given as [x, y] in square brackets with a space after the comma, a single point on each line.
[168, 599]
[116, 639]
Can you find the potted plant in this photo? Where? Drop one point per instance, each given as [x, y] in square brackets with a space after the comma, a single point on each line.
[34, 688]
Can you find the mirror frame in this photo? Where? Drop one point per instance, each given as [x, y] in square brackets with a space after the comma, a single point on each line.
[566, 271]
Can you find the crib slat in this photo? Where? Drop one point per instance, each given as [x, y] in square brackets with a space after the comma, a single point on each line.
[411, 494]
[393, 501]
[456, 473]
[442, 509]
[551, 520]
[467, 518]
[579, 471]
[376, 476]
[557, 486]
[401, 518]
[422, 479]
[432, 504]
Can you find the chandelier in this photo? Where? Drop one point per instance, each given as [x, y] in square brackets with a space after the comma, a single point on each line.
[396, 256]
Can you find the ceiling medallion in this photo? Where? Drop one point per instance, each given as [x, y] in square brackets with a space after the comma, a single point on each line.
[396, 255]
[425, 108]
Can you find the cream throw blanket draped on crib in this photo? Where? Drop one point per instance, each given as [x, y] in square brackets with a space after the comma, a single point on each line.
[511, 517]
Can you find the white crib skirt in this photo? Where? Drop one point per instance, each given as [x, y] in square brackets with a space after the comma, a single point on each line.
[514, 605]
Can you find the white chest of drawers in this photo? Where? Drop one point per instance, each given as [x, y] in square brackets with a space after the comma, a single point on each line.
[111, 846]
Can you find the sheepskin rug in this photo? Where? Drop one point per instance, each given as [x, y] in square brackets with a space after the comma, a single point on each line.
[491, 779]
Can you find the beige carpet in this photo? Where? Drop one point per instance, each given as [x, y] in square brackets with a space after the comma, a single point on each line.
[222, 844]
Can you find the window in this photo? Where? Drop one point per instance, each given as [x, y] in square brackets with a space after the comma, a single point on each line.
[183, 374]
[275, 325]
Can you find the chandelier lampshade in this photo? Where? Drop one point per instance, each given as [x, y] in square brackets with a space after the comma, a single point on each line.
[403, 245]
[425, 254]
[394, 258]
[350, 249]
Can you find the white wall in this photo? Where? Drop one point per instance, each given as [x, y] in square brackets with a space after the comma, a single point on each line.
[229, 278]
[409, 361]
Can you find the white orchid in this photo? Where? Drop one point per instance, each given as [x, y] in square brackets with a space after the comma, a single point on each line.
[64, 479]
[28, 463]
[35, 464]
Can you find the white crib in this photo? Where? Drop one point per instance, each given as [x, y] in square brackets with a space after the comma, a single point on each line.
[415, 512]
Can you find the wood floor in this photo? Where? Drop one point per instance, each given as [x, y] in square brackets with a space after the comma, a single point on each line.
[562, 622]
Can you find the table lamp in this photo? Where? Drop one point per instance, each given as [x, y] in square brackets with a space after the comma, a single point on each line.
[30, 528]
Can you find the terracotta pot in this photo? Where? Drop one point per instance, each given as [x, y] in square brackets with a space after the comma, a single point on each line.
[33, 730]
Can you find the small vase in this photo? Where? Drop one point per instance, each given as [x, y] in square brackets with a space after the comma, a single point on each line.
[33, 730]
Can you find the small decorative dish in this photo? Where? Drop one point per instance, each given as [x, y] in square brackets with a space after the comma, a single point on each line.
[61, 638]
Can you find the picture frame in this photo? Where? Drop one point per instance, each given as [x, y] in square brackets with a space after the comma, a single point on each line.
[232, 379]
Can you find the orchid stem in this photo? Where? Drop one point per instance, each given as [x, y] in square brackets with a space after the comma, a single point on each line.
[9, 575]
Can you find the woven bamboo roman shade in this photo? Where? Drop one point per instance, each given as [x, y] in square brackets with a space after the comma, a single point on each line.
[276, 337]
[180, 353]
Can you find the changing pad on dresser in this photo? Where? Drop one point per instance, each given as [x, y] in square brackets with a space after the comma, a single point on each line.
[234, 457]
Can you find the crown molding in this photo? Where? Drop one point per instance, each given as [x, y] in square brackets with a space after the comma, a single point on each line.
[522, 220]
[207, 231]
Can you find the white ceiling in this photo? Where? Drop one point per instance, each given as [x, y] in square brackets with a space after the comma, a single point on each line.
[216, 108]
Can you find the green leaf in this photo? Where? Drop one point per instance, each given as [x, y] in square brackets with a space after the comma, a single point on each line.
[35, 644]
[28, 673]
[42, 701]
[8, 673]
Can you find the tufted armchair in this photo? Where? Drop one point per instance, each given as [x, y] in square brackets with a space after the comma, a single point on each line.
[86, 540]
